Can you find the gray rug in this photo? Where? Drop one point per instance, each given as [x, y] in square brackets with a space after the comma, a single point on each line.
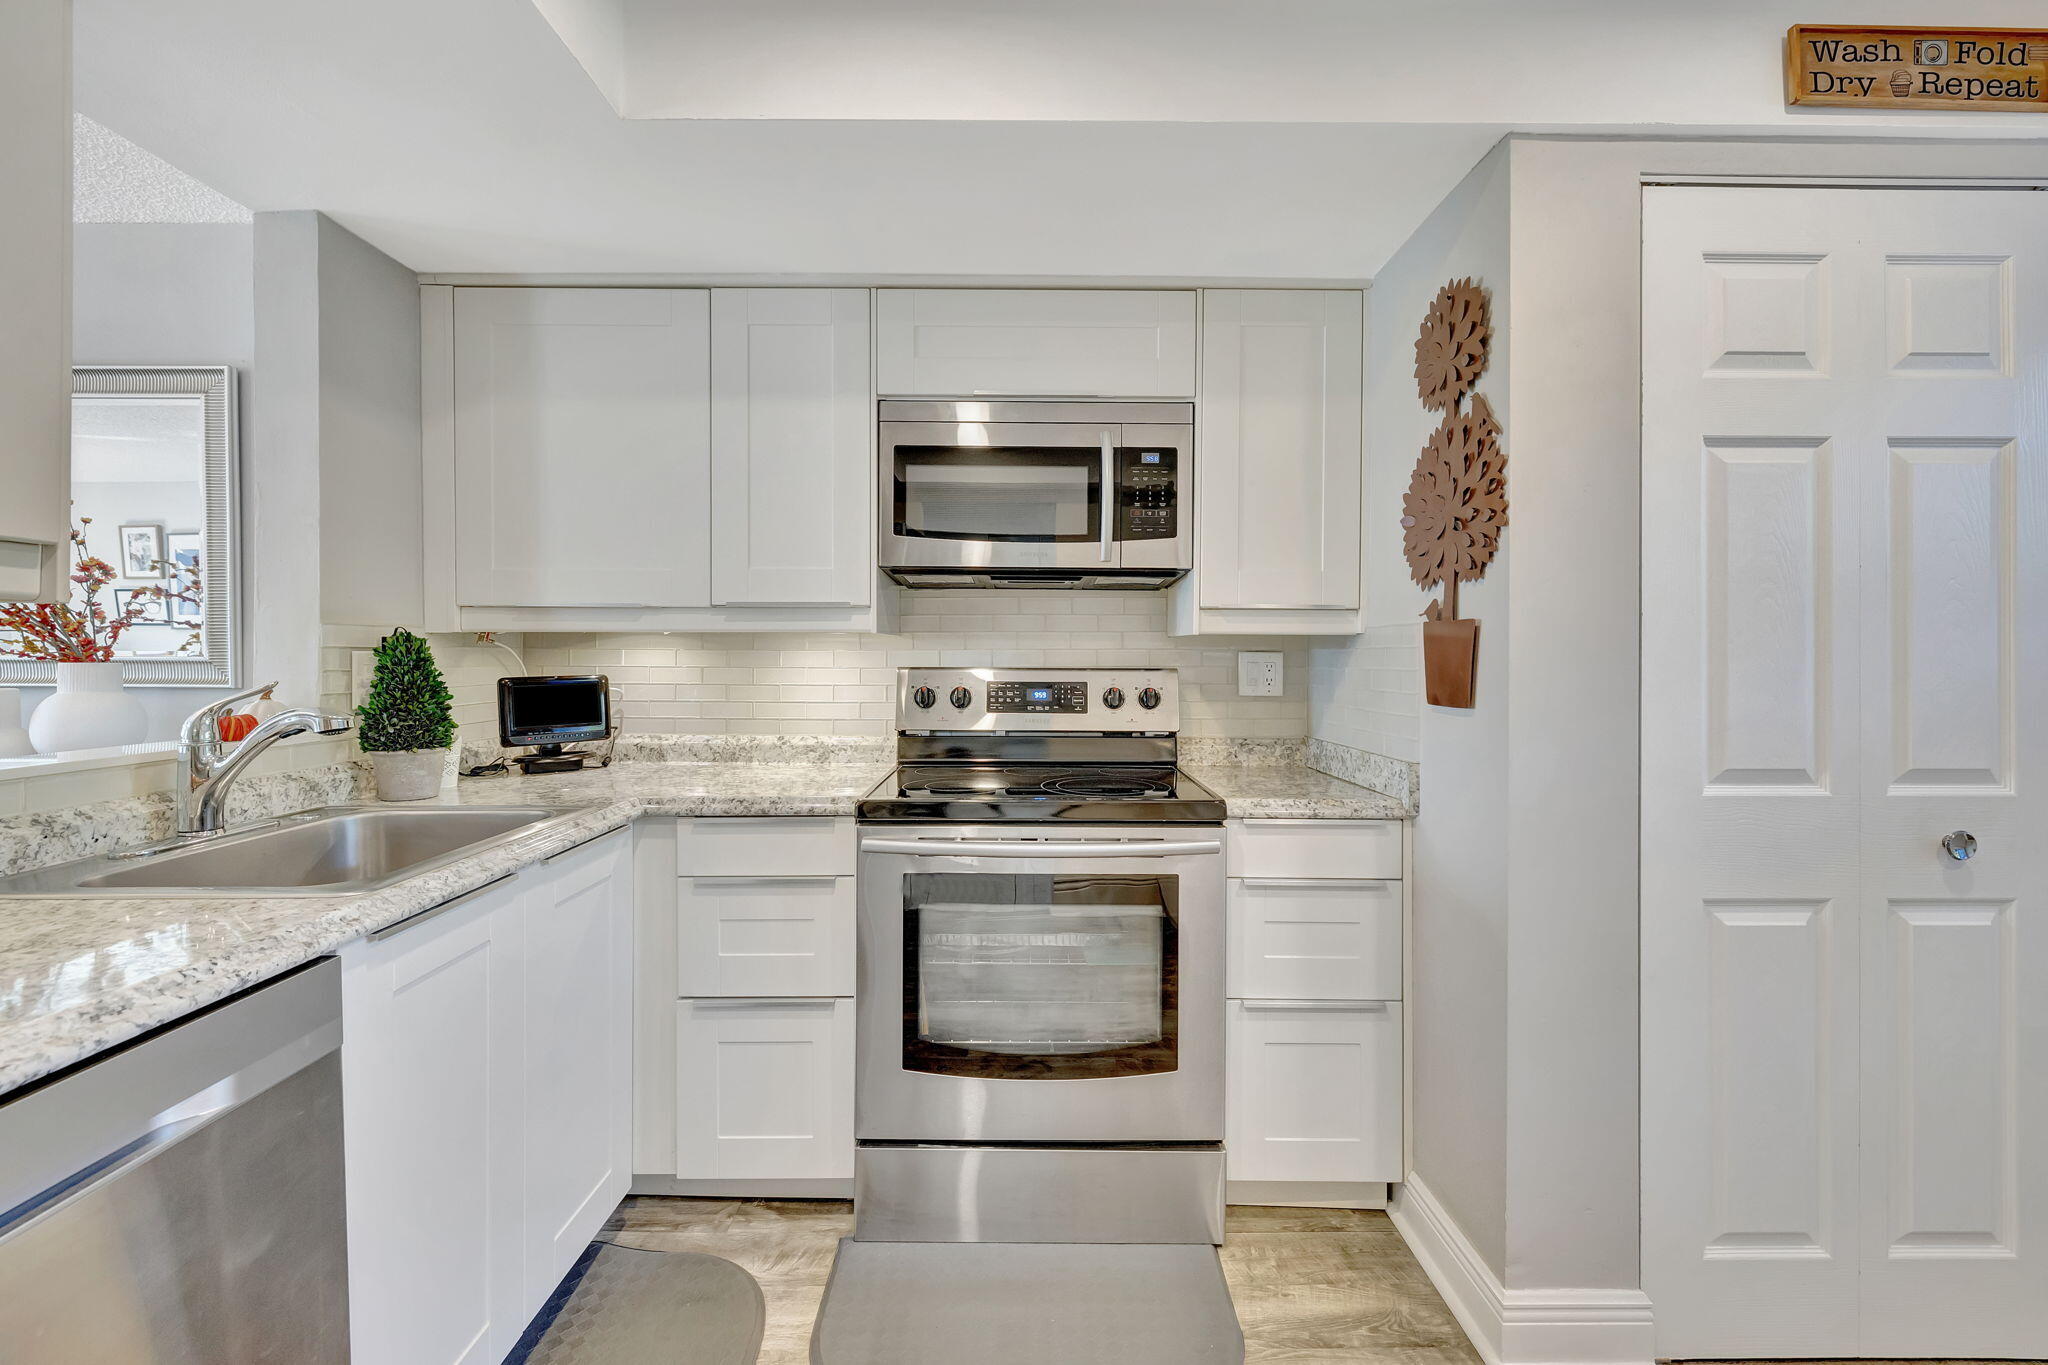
[1006, 1303]
[623, 1306]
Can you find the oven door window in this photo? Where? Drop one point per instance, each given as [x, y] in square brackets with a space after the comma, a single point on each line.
[1038, 977]
[1035, 496]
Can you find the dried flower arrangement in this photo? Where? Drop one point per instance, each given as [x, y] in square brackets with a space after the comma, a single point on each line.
[83, 631]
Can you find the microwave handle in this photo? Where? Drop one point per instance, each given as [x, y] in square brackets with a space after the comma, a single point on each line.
[1108, 492]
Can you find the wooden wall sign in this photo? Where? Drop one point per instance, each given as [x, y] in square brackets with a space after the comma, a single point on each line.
[1992, 70]
[1457, 501]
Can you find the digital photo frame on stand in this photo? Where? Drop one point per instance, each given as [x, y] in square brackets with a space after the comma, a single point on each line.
[549, 713]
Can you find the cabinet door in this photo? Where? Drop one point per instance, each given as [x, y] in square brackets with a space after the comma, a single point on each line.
[963, 343]
[578, 1055]
[764, 1089]
[582, 447]
[431, 1115]
[1314, 1091]
[1303, 940]
[792, 431]
[765, 936]
[1279, 434]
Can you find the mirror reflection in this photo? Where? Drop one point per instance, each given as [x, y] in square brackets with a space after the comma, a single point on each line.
[138, 496]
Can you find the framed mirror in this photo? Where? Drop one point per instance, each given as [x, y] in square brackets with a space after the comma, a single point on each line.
[154, 464]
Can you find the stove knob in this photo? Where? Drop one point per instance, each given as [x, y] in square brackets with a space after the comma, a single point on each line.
[925, 698]
[961, 698]
[1113, 697]
[1149, 698]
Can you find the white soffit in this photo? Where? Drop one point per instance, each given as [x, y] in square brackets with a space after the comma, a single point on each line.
[115, 181]
[1525, 63]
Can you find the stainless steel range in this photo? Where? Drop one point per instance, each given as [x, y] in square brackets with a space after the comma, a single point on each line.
[1041, 967]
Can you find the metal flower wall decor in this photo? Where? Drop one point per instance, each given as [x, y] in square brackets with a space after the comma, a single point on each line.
[1457, 503]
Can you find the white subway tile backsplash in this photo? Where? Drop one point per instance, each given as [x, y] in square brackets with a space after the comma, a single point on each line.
[844, 684]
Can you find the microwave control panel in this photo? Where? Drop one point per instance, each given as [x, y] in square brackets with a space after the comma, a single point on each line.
[1147, 493]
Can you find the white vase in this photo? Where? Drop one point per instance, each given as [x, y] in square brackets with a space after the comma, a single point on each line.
[89, 710]
[14, 741]
[408, 774]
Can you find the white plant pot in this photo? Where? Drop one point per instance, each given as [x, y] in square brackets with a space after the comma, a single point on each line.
[408, 774]
[89, 710]
[14, 741]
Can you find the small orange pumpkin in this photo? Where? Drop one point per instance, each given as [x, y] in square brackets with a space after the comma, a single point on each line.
[234, 728]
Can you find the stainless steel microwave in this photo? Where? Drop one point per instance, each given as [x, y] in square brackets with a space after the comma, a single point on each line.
[1039, 494]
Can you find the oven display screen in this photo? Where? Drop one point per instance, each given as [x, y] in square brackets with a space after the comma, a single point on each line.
[1043, 698]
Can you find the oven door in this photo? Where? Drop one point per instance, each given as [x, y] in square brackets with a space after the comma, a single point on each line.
[1030, 984]
[998, 494]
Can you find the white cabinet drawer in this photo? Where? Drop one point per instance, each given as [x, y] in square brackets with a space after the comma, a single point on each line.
[1314, 1091]
[765, 936]
[764, 1089]
[1357, 850]
[964, 343]
[782, 847]
[1315, 940]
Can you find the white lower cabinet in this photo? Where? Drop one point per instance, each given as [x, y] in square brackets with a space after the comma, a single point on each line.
[765, 936]
[1315, 1091]
[486, 1064]
[764, 1089]
[577, 1056]
[1313, 1084]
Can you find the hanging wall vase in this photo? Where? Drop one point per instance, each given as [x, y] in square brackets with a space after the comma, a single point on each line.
[1450, 656]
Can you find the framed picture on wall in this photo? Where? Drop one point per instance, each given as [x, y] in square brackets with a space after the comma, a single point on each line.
[183, 548]
[142, 551]
[153, 608]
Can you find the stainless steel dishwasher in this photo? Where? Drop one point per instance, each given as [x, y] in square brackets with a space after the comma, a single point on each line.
[179, 1200]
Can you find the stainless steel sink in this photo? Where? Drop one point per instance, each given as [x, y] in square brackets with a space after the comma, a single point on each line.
[331, 851]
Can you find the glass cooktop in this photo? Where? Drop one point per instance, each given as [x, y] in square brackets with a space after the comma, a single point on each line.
[1106, 792]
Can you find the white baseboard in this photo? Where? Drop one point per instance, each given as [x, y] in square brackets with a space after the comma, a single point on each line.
[743, 1189]
[1520, 1326]
[1307, 1194]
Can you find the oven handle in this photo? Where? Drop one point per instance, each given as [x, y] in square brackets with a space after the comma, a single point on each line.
[1045, 848]
[1108, 499]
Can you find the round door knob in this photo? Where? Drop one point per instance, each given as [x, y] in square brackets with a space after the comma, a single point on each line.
[1113, 697]
[1149, 698]
[961, 698]
[1961, 845]
[925, 698]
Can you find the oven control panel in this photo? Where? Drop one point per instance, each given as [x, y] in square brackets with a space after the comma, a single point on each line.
[1038, 698]
[1078, 700]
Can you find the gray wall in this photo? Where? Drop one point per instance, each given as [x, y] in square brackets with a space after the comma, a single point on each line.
[1458, 1013]
[335, 522]
[165, 294]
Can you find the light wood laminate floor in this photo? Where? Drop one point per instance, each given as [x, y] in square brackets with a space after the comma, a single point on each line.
[1312, 1286]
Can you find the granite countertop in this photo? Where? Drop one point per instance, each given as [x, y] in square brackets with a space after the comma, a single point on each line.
[1293, 791]
[78, 975]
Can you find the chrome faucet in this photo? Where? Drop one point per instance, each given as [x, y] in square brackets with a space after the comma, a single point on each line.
[207, 767]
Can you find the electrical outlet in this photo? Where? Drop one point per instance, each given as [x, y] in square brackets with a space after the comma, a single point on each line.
[362, 666]
[1259, 674]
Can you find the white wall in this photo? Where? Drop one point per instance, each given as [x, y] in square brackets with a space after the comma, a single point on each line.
[844, 684]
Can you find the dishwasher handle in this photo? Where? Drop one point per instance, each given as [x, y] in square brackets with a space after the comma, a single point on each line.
[1043, 848]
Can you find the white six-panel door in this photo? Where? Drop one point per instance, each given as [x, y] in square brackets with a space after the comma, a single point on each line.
[1845, 657]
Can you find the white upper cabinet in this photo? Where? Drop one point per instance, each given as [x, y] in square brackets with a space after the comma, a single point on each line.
[1279, 455]
[1045, 343]
[582, 447]
[792, 428]
[35, 281]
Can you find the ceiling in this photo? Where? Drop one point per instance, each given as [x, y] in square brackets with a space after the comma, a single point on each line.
[1168, 139]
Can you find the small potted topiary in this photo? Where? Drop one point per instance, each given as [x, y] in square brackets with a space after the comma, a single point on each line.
[408, 722]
